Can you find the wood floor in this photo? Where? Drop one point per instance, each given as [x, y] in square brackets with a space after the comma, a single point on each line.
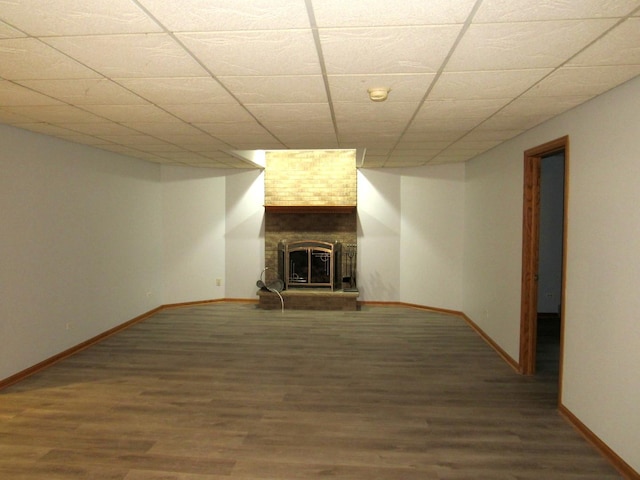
[229, 391]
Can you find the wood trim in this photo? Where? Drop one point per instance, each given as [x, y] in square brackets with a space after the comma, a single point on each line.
[565, 235]
[310, 208]
[505, 356]
[530, 250]
[618, 463]
[529, 283]
[241, 300]
[98, 338]
[190, 304]
[73, 350]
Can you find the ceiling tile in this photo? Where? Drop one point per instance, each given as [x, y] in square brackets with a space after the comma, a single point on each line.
[167, 79]
[263, 53]
[46, 128]
[374, 161]
[364, 113]
[193, 142]
[291, 112]
[403, 88]
[77, 17]
[309, 141]
[521, 123]
[131, 113]
[156, 146]
[232, 127]
[483, 85]
[56, 114]
[225, 15]
[406, 161]
[456, 150]
[28, 58]
[359, 139]
[475, 145]
[380, 151]
[525, 45]
[162, 129]
[406, 145]
[278, 89]
[185, 156]
[371, 130]
[129, 152]
[85, 91]
[583, 81]
[98, 129]
[7, 31]
[621, 46]
[429, 123]
[178, 90]
[450, 158]
[12, 118]
[366, 13]
[492, 11]
[240, 142]
[207, 163]
[217, 155]
[436, 134]
[210, 113]
[387, 50]
[423, 153]
[83, 139]
[485, 133]
[12, 94]
[441, 110]
[542, 105]
[320, 127]
[126, 56]
[133, 139]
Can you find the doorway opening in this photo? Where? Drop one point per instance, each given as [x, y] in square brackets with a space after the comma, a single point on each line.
[536, 261]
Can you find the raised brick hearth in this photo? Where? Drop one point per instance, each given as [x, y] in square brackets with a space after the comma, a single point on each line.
[309, 299]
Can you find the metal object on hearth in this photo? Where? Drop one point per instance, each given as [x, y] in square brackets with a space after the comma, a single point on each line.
[350, 255]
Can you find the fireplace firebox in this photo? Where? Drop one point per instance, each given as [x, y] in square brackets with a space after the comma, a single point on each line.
[310, 263]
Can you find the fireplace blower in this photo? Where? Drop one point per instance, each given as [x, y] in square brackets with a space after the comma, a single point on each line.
[275, 287]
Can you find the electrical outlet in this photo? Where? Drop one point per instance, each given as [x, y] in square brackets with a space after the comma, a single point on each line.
[218, 282]
[67, 326]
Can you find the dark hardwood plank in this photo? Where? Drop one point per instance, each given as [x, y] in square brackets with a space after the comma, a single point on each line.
[232, 391]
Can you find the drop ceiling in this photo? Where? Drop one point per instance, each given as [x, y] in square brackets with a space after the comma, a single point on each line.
[195, 82]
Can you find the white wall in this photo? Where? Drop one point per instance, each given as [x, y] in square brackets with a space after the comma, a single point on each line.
[193, 218]
[378, 263]
[493, 245]
[244, 233]
[432, 230]
[80, 245]
[410, 235]
[601, 380]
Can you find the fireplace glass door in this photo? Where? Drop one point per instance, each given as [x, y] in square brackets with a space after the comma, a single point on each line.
[309, 264]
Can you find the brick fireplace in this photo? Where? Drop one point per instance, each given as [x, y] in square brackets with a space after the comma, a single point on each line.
[310, 196]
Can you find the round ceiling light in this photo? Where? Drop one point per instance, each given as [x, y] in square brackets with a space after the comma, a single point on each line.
[378, 94]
